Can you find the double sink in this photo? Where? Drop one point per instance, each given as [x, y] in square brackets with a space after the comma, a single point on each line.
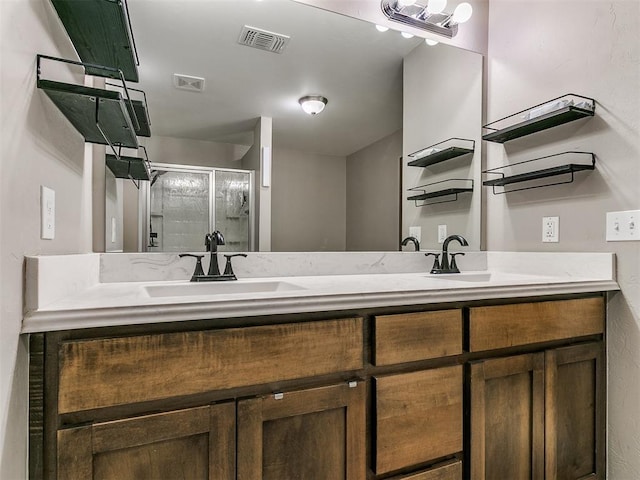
[266, 286]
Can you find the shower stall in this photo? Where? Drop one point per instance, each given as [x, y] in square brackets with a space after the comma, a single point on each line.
[184, 203]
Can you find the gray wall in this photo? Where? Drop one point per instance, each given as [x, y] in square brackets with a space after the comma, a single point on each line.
[539, 51]
[373, 200]
[39, 147]
[442, 99]
[309, 202]
[193, 152]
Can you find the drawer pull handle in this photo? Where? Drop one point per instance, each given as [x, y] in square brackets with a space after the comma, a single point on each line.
[353, 384]
[278, 396]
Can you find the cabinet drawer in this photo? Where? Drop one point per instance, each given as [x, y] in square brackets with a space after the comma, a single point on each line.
[523, 323]
[113, 371]
[418, 417]
[449, 470]
[417, 336]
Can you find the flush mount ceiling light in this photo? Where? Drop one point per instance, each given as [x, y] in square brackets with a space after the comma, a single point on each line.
[427, 15]
[312, 104]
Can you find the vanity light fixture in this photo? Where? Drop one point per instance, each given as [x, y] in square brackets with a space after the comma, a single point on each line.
[431, 43]
[407, 34]
[427, 15]
[313, 104]
[381, 28]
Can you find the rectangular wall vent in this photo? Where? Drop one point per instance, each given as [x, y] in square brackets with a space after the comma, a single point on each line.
[187, 82]
[262, 39]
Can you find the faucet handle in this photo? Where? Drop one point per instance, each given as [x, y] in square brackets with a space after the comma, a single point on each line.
[198, 272]
[228, 268]
[436, 262]
[453, 267]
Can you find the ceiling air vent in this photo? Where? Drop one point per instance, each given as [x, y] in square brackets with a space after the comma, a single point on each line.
[262, 39]
[187, 82]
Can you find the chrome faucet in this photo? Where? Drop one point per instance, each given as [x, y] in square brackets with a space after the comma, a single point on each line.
[445, 266]
[415, 241]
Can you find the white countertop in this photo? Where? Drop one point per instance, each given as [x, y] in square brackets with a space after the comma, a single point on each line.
[66, 292]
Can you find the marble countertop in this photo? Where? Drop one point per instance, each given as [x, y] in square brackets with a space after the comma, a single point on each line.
[61, 300]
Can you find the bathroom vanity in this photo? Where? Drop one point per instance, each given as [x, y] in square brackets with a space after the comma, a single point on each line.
[489, 375]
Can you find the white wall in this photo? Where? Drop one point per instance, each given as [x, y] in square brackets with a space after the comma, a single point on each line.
[252, 160]
[39, 147]
[539, 50]
[309, 201]
[373, 196]
[442, 99]
[185, 151]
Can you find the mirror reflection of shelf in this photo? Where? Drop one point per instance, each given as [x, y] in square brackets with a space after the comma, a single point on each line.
[132, 168]
[560, 164]
[101, 116]
[440, 152]
[450, 188]
[549, 114]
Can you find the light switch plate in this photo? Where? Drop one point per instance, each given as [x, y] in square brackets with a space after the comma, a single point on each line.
[623, 226]
[47, 213]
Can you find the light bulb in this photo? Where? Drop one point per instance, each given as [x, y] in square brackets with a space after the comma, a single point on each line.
[436, 6]
[381, 28]
[406, 3]
[462, 13]
[406, 34]
[431, 43]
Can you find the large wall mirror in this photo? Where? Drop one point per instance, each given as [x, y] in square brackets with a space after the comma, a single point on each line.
[339, 180]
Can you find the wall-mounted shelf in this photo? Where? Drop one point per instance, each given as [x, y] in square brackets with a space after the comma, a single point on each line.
[560, 164]
[101, 34]
[138, 108]
[133, 168]
[440, 152]
[541, 117]
[101, 116]
[446, 188]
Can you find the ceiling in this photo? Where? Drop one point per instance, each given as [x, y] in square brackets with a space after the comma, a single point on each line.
[347, 60]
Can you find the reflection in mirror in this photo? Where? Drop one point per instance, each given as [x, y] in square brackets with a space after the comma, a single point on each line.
[336, 177]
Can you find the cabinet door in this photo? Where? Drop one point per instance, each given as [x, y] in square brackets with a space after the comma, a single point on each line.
[507, 418]
[196, 443]
[574, 415]
[418, 417]
[315, 434]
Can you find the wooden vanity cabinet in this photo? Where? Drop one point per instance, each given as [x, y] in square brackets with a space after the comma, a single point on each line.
[482, 391]
[195, 443]
[539, 415]
[318, 433]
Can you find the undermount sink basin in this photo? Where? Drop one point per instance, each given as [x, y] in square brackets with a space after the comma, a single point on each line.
[463, 277]
[218, 288]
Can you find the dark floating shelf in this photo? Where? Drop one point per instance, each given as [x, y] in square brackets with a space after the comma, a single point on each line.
[99, 115]
[133, 168]
[440, 152]
[443, 188]
[101, 34]
[541, 117]
[563, 169]
[137, 109]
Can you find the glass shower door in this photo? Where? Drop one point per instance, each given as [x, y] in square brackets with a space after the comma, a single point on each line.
[232, 209]
[180, 210]
[186, 203]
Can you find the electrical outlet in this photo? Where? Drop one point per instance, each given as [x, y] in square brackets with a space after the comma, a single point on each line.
[416, 232]
[623, 226]
[550, 229]
[442, 233]
[47, 213]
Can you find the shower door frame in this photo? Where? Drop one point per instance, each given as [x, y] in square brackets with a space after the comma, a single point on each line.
[145, 200]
